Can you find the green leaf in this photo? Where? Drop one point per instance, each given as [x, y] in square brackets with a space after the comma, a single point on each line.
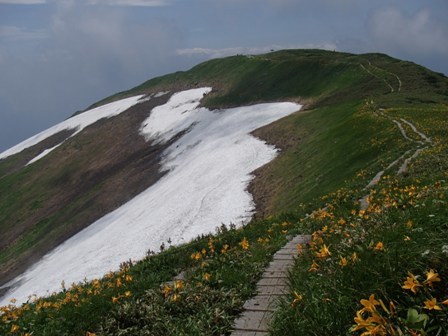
[415, 320]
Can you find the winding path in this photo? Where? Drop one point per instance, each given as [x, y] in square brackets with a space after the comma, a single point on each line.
[426, 141]
[258, 311]
[392, 90]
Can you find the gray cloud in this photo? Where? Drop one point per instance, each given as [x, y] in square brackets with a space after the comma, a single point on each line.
[222, 52]
[394, 30]
[16, 33]
[88, 53]
[143, 3]
[22, 2]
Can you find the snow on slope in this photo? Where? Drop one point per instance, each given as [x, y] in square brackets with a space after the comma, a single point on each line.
[78, 122]
[209, 170]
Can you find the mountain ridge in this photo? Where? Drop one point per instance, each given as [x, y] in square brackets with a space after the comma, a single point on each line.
[305, 63]
[334, 86]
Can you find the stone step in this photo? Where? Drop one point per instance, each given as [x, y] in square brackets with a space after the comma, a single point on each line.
[284, 257]
[253, 321]
[249, 333]
[272, 282]
[271, 290]
[261, 303]
[258, 312]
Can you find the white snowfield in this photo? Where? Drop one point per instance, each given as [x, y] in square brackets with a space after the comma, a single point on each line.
[208, 170]
[77, 122]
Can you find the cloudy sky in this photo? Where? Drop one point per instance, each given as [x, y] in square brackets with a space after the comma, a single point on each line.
[59, 56]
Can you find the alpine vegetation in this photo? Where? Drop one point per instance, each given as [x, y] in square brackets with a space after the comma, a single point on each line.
[157, 210]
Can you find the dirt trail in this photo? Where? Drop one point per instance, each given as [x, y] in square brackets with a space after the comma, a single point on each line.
[254, 320]
[406, 156]
[392, 89]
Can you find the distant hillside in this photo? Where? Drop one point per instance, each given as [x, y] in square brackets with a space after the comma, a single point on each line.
[336, 141]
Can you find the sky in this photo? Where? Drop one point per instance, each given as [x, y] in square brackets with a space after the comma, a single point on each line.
[60, 56]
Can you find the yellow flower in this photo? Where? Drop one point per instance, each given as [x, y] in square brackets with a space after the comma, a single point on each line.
[343, 262]
[284, 231]
[88, 333]
[407, 238]
[118, 283]
[224, 248]
[244, 244]
[411, 283]
[175, 298]
[14, 328]
[178, 284]
[211, 246]
[445, 302]
[342, 221]
[369, 305]
[431, 276]
[432, 304]
[128, 278]
[196, 256]
[314, 267]
[324, 252]
[354, 257]
[297, 298]
[361, 323]
[127, 293]
[379, 246]
[207, 276]
[166, 290]
[115, 299]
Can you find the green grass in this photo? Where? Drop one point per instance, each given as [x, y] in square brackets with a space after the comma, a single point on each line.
[407, 215]
[337, 142]
[133, 301]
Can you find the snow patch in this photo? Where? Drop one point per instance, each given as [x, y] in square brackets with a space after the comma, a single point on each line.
[78, 122]
[209, 168]
[44, 153]
[177, 114]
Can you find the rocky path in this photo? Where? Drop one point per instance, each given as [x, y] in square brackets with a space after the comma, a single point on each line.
[254, 321]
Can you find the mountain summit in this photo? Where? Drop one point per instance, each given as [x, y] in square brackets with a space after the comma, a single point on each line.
[174, 158]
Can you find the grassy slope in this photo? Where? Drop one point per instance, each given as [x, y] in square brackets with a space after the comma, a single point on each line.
[337, 143]
[406, 215]
[304, 75]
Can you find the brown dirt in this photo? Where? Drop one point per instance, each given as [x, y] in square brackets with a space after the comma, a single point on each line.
[264, 186]
[90, 175]
[11, 165]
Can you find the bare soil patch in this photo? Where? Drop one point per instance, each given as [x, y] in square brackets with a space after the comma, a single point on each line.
[90, 175]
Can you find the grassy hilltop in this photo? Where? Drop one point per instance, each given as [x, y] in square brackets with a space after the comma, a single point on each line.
[385, 245]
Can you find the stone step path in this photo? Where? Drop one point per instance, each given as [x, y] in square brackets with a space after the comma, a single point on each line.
[258, 311]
